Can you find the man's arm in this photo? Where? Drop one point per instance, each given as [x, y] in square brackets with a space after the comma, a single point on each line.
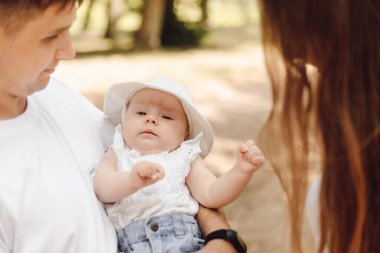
[210, 220]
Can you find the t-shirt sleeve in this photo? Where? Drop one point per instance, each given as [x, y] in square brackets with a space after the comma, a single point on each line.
[6, 233]
[3, 248]
[89, 111]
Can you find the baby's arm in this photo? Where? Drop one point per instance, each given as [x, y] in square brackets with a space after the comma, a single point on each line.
[215, 192]
[112, 185]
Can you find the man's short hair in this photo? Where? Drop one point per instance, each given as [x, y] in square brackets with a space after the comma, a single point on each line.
[15, 13]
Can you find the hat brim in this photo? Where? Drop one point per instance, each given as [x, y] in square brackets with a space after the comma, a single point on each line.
[120, 94]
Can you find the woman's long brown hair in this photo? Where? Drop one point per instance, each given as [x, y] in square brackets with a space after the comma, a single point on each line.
[339, 111]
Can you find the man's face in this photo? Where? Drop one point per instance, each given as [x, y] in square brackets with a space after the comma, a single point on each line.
[29, 57]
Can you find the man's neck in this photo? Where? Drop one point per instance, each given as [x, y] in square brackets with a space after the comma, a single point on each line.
[11, 106]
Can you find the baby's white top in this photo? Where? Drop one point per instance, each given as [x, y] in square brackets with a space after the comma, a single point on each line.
[167, 196]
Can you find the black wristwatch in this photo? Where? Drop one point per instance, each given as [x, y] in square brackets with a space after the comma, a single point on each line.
[228, 235]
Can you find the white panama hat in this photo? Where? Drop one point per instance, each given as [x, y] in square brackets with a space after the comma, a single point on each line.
[121, 93]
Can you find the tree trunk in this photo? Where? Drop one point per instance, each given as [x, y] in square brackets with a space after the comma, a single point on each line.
[177, 33]
[87, 16]
[114, 10]
[148, 36]
[204, 19]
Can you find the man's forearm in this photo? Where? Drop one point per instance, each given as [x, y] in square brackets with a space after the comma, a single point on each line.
[218, 245]
[210, 220]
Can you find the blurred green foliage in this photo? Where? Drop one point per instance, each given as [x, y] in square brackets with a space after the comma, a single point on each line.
[183, 26]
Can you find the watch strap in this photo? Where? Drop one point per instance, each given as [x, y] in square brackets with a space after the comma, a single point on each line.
[228, 235]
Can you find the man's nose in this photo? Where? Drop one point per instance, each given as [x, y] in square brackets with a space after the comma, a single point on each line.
[65, 50]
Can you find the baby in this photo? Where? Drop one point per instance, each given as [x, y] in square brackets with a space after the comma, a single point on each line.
[153, 176]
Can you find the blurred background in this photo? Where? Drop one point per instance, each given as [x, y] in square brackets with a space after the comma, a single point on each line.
[211, 46]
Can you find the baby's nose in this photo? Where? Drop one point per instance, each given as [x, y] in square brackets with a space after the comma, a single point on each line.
[151, 119]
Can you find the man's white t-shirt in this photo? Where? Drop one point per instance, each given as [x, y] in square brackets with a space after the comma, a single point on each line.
[47, 160]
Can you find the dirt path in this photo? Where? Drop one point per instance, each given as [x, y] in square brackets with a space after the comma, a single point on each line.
[231, 88]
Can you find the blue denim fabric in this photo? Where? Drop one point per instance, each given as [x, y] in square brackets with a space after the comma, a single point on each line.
[161, 234]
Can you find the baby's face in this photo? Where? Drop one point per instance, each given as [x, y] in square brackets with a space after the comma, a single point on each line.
[155, 121]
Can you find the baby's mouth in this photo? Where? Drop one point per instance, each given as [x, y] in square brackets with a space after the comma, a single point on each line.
[149, 132]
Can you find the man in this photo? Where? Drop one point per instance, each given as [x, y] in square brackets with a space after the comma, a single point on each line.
[51, 138]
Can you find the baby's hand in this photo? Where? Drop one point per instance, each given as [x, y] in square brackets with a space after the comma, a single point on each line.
[146, 173]
[250, 158]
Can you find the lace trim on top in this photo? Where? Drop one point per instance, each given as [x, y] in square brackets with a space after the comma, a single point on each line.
[187, 151]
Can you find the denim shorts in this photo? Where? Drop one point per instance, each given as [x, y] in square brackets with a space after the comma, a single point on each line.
[161, 234]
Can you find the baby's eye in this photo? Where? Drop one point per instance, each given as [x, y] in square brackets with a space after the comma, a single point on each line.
[141, 113]
[167, 117]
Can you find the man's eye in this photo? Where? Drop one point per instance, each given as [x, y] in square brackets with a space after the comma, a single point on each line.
[167, 117]
[141, 113]
[53, 37]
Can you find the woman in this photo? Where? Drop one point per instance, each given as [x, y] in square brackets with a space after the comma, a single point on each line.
[336, 110]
